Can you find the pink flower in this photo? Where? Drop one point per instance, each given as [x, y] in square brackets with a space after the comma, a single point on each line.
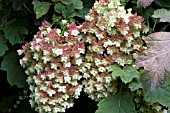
[103, 1]
[45, 23]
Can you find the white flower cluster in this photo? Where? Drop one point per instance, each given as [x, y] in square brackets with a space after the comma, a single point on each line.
[51, 66]
[112, 35]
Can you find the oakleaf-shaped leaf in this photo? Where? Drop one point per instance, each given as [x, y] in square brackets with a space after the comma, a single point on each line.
[15, 74]
[82, 12]
[119, 103]
[66, 2]
[160, 95]
[144, 3]
[78, 4]
[3, 46]
[163, 14]
[59, 7]
[41, 9]
[155, 60]
[68, 11]
[126, 74]
[135, 84]
[163, 3]
[14, 31]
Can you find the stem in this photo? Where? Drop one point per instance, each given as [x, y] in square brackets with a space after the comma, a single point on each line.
[120, 95]
[28, 9]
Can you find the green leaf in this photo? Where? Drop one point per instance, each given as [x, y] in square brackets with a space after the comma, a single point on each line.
[3, 46]
[15, 74]
[160, 95]
[35, 3]
[41, 9]
[163, 14]
[135, 84]
[14, 31]
[126, 74]
[78, 4]
[68, 11]
[82, 12]
[163, 3]
[66, 2]
[55, 0]
[119, 103]
[6, 102]
[59, 7]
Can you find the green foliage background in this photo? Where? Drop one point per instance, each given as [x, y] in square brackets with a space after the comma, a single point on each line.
[19, 21]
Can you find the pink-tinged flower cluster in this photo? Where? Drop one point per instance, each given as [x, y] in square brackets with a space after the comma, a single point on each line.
[51, 62]
[113, 36]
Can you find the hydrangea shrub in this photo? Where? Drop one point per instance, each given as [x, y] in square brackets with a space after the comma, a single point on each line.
[60, 64]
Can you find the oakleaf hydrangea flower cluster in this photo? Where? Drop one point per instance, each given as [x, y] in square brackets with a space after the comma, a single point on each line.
[51, 63]
[60, 64]
[112, 36]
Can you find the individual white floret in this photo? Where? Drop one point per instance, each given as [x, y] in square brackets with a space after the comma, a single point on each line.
[57, 51]
[136, 47]
[53, 66]
[47, 39]
[46, 108]
[29, 80]
[31, 102]
[136, 34]
[88, 18]
[58, 31]
[108, 79]
[111, 5]
[31, 88]
[45, 59]
[67, 79]
[86, 75]
[65, 96]
[62, 89]
[137, 26]
[51, 92]
[43, 87]
[36, 56]
[68, 64]
[51, 76]
[43, 77]
[81, 50]
[101, 69]
[99, 79]
[93, 72]
[135, 55]
[65, 34]
[43, 100]
[79, 62]
[75, 32]
[19, 52]
[48, 29]
[37, 81]
[64, 21]
[97, 61]
[38, 68]
[52, 102]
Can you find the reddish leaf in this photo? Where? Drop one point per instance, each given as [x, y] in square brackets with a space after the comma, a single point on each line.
[144, 3]
[155, 60]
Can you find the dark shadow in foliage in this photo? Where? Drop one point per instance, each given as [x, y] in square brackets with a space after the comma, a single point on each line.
[83, 105]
